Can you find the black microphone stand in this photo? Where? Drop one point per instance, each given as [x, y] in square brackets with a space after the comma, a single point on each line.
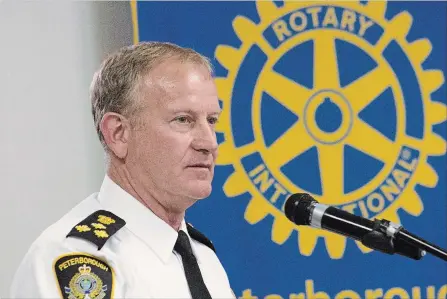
[391, 238]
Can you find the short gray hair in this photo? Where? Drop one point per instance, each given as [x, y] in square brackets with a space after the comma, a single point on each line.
[115, 84]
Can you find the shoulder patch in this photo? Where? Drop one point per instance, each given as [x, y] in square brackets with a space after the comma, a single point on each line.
[198, 236]
[81, 276]
[98, 227]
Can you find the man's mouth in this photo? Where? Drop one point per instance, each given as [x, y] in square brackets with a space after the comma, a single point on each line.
[200, 165]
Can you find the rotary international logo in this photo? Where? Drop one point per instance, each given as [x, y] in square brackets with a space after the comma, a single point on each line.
[328, 98]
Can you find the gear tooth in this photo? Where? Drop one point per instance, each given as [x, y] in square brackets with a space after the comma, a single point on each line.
[435, 145]
[266, 10]
[256, 210]
[307, 240]
[234, 185]
[391, 215]
[335, 245]
[401, 23]
[420, 49]
[363, 248]
[433, 79]
[412, 204]
[437, 113]
[224, 89]
[227, 56]
[289, 5]
[225, 156]
[427, 176]
[245, 29]
[376, 8]
[281, 230]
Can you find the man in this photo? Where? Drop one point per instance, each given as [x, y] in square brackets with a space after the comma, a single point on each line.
[155, 106]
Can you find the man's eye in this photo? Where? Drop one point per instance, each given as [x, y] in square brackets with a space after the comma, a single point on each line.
[183, 119]
[213, 120]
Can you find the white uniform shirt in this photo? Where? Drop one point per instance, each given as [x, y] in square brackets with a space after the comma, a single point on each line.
[140, 253]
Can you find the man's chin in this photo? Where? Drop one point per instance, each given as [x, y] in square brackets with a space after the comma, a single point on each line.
[202, 194]
[200, 190]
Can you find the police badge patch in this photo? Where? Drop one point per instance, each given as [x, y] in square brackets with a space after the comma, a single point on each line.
[83, 276]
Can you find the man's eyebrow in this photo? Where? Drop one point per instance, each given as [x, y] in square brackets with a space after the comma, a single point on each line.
[217, 112]
[189, 111]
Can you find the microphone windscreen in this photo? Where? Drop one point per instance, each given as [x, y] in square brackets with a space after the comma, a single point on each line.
[297, 208]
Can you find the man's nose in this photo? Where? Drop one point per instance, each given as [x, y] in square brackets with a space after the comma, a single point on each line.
[205, 138]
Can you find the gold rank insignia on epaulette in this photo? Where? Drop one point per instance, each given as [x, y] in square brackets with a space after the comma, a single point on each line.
[81, 276]
[98, 227]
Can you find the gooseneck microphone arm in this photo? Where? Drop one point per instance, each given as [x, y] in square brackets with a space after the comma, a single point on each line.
[381, 235]
[422, 244]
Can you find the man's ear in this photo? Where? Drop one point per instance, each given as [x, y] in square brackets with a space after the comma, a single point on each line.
[116, 131]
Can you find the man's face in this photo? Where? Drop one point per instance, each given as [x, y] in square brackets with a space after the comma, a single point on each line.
[174, 149]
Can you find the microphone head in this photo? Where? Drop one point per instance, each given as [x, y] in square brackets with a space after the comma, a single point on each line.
[298, 208]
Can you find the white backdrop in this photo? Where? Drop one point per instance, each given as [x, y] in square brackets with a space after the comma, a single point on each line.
[50, 158]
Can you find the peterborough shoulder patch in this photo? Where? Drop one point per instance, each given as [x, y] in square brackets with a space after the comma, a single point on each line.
[98, 227]
[83, 276]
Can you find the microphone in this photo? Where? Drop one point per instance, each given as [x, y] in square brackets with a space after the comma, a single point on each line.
[381, 235]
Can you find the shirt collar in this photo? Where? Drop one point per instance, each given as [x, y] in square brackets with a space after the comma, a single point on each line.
[140, 220]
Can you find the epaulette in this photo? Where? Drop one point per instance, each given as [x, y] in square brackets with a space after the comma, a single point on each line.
[198, 236]
[98, 227]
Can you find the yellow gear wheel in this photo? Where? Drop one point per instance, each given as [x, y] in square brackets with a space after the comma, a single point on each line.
[287, 24]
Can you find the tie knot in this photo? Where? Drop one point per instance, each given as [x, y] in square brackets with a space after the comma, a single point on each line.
[183, 245]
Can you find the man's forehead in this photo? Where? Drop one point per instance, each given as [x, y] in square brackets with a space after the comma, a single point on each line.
[174, 70]
[178, 77]
[166, 93]
[190, 101]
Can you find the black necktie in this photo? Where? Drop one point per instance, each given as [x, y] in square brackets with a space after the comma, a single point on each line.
[192, 271]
